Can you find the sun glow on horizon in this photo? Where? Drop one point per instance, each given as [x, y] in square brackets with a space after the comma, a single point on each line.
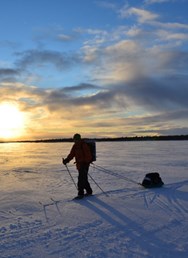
[12, 121]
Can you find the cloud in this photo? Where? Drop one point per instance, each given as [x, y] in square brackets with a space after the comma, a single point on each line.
[157, 1]
[43, 57]
[170, 25]
[64, 37]
[9, 44]
[8, 74]
[154, 79]
[21, 93]
[127, 71]
[147, 17]
[44, 35]
[89, 103]
[135, 80]
[170, 36]
[111, 111]
[106, 5]
[142, 15]
[160, 123]
[83, 88]
[158, 94]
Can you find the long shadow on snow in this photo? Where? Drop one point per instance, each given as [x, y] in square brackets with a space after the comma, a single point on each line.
[137, 234]
[172, 194]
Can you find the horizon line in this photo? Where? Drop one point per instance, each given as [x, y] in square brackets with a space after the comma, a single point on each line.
[121, 138]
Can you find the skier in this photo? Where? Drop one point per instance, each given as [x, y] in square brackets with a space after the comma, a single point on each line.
[81, 152]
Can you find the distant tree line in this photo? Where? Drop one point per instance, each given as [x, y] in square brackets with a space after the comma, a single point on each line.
[117, 139]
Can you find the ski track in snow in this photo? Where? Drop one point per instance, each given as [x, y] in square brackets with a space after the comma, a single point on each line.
[117, 230]
[127, 221]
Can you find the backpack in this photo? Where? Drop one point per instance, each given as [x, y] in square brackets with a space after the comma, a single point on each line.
[92, 146]
[152, 180]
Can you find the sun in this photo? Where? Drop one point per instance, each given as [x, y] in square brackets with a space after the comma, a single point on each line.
[11, 121]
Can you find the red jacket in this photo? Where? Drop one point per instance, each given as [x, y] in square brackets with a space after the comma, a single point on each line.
[81, 152]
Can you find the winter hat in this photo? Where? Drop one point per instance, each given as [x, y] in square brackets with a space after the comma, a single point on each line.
[77, 137]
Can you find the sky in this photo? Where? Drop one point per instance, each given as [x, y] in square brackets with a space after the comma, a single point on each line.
[94, 67]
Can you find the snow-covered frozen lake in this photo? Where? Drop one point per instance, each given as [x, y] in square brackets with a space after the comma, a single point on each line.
[38, 218]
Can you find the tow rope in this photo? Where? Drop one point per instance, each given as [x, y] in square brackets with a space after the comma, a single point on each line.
[109, 172]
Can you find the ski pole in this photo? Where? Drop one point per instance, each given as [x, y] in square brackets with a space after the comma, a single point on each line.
[97, 185]
[71, 176]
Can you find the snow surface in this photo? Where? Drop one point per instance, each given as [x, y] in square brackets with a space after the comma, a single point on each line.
[38, 218]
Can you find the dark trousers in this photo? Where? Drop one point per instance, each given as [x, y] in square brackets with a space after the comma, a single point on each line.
[83, 180]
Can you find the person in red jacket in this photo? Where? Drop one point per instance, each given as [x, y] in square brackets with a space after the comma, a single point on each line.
[82, 154]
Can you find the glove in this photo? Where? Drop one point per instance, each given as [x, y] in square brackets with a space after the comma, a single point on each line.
[65, 161]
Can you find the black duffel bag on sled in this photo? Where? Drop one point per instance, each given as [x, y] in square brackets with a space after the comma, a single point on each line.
[152, 180]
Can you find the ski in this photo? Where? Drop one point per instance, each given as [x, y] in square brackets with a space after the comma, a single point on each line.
[82, 197]
[78, 198]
